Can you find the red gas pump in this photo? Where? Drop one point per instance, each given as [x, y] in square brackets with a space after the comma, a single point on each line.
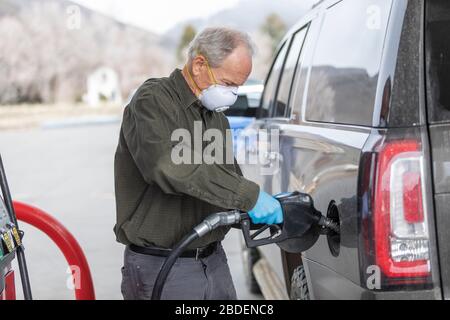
[7, 285]
[11, 246]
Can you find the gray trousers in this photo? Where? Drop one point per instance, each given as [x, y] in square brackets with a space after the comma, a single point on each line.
[189, 279]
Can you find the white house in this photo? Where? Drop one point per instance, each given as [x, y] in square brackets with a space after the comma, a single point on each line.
[103, 86]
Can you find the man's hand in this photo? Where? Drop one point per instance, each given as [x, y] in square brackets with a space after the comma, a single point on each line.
[267, 210]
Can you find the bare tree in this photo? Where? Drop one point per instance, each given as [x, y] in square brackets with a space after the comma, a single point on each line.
[42, 60]
[275, 28]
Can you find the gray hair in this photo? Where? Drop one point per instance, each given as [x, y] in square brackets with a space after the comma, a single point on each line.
[217, 43]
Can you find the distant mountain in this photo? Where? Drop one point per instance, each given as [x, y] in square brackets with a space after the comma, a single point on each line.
[247, 15]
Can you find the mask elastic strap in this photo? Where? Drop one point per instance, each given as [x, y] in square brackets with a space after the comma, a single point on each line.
[192, 79]
[211, 74]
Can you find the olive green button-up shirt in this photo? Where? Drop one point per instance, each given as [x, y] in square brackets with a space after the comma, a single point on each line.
[157, 200]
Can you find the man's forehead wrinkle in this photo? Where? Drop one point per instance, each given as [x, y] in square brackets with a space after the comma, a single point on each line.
[229, 80]
[231, 69]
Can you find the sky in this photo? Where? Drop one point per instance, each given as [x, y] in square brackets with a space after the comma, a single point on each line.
[157, 15]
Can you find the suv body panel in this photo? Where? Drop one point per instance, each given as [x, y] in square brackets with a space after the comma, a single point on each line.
[437, 51]
[323, 159]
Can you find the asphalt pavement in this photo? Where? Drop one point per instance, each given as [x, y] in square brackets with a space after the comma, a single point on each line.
[68, 172]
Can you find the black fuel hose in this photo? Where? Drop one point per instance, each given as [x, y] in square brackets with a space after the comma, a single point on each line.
[209, 224]
[170, 261]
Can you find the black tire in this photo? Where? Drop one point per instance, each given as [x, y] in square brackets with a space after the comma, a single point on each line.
[250, 256]
[299, 285]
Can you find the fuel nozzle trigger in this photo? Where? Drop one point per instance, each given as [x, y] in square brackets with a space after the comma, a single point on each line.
[301, 227]
[250, 238]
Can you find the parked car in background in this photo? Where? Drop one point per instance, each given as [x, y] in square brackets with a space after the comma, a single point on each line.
[359, 91]
[249, 97]
[243, 112]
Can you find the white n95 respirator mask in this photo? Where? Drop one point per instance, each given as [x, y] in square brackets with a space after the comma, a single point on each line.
[216, 97]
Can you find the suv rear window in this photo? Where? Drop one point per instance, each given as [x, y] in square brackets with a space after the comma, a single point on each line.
[438, 59]
[346, 62]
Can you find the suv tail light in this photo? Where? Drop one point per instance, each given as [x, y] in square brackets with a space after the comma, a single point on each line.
[392, 202]
[400, 224]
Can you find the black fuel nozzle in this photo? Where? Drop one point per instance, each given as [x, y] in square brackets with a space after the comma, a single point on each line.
[302, 225]
[306, 206]
[329, 224]
[298, 232]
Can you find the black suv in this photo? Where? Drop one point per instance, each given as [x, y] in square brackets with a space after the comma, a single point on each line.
[360, 94]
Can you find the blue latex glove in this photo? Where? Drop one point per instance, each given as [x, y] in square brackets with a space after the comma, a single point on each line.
[267, 210]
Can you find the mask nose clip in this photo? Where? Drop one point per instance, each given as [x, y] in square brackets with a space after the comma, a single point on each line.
[222, 109]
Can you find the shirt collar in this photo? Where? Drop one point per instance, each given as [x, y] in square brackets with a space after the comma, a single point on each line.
[184, 91]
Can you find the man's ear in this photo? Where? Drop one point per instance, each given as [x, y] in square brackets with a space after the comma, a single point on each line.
[198, 63]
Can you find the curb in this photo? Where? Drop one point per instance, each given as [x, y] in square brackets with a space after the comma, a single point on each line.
[80, 122]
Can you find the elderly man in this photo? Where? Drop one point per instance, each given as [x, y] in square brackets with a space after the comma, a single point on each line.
[160, 200]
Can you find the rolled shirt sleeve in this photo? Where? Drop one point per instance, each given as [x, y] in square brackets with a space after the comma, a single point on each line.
[147, 128]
